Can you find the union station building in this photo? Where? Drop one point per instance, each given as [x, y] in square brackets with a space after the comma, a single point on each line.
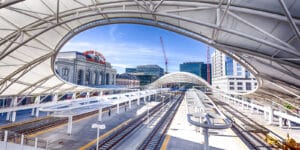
[87, 68]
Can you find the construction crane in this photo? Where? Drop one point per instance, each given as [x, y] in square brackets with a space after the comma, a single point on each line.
[165, 56]
[208, 64]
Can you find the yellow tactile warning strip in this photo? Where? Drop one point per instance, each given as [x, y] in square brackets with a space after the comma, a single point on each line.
[165, 143]
[88, 145]
[23, 122]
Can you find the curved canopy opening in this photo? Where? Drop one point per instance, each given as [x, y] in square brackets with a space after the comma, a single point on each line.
[264, 34]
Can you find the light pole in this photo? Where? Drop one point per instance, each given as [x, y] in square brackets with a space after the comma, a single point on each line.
[100, 114]
[98, 126]
[148, 114]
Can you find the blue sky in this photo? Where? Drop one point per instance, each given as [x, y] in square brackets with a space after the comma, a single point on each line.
[129, 45]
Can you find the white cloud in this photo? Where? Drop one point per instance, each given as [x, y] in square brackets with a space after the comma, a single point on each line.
[121, 65]
[121, 55]
[112, 32]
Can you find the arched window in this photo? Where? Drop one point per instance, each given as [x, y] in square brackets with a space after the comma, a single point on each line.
[80, 77]
[107, 79]
[96, 78]
[103, 82]
[65, 71]
[87, 77]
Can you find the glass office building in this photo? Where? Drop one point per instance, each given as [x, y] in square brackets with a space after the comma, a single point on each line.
[197, 68]
[154, 70]
[146, 73]
[229, 75]
[130, 70]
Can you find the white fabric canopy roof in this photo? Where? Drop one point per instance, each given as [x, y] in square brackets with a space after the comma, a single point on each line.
[261, 34]
[179, 77]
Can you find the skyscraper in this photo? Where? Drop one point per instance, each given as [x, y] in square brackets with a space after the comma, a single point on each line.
[229, 75]
[197, 68]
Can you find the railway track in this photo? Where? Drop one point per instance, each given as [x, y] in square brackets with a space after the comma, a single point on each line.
[155, 138]
[252, 133]
[29, 128]
[119, 135]
[123, 133]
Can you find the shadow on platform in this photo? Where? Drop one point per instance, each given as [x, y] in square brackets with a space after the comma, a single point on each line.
[176, 143]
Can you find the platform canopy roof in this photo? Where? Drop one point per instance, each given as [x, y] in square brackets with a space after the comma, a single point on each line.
[179, 77]
[262, 34]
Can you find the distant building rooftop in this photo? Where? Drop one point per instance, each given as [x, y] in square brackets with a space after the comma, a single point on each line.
[126, 76]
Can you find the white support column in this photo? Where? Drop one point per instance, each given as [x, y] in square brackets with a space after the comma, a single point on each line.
[8, 116]
[118, 108]
[70, 120]
[32, 111]
[14, 113]
[5, 135]
[74, 95]
[139, 98]
[280, 122]
[289, 124]
[129, 103]
[249, 105]
[37, 101]
[37, 112]
[22, 139]
[242, 102]
[265, 113]
[13, 116]
[252, 106]
[35, 143]
[87, 95]
[55, 98]
[225, 98]
[270, 118]
[100, 114]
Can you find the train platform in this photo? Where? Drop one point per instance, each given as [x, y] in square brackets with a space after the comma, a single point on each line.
[83, 136]
[257, 116]
[21, 116]
[182, 135]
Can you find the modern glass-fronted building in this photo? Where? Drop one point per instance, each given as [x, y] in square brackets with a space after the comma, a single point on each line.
[146, 73]
[154, 70]
[197, 68]
[228, 66]
[229, 75]
[130, 70]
